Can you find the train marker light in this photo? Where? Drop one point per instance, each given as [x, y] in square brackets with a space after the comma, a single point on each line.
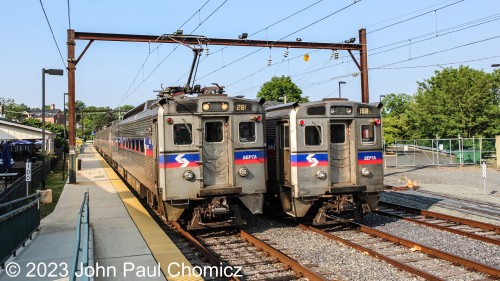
[170, 121]
[375, 121]
[257, 118]
[302, 122]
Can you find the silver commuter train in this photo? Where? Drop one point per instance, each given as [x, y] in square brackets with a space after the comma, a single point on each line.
[190, 156]
[325, 158]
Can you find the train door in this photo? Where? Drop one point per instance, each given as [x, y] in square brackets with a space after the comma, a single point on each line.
[154, 140]
[284, 166]
[340, 152]
[215, 151]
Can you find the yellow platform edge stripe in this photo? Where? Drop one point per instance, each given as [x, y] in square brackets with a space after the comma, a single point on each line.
[161, 246]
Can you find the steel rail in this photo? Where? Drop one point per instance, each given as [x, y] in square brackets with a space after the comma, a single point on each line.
[204, 251]
[394, 262]
[470, 264]
[301, 270]
[456, 220]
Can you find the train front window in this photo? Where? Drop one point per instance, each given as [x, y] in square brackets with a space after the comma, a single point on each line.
[213, 131]
[312, 135]
[337, 133]
[247, 131]
[367, 134]
[183, 134]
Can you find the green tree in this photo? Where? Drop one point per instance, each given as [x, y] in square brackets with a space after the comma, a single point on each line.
[454, 102]
[395, 119]
[280, 87]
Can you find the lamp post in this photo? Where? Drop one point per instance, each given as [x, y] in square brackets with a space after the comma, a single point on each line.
[340, 93]
[59, 72]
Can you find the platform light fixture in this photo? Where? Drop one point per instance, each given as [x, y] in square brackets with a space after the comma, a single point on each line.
[243, 36]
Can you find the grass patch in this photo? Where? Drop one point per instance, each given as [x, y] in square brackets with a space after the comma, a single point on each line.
[55, 182]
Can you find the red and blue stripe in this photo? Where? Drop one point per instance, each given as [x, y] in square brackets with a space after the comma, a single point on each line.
[316, 159]
[178, 160]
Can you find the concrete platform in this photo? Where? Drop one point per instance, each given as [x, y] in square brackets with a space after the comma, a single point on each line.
[120, 251]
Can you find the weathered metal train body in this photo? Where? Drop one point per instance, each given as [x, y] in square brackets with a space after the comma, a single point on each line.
[191, 156]
[326, 155]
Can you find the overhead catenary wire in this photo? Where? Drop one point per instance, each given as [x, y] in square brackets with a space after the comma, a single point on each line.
[53, 37]
[387, 26]
[259, 31]
[126, 96]
[408, 41]
[284, 37]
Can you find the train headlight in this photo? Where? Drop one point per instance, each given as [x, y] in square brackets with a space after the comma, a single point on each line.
[243, 171]
[321, 174]
[188, 175]
[348, 110]
[365, 172]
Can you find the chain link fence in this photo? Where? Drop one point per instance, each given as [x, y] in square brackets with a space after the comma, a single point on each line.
[452, 151]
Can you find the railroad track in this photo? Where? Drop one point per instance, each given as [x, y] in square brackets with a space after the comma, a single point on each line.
[473, 207]
[476, 230]
[258, 260]
[427, 262]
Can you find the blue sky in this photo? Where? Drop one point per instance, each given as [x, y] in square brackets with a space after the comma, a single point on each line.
[112, 74]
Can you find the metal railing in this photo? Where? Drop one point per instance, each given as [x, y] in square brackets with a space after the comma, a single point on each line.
[18, 220]
[82, 245]
[18, 188]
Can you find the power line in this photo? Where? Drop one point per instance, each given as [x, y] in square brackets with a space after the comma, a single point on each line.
[461, 27]
[385, 67]
[160, 63]
[55, 41]
[307, 26]
[256, 32]
[440, 51]
[414, 17]
[433, 65]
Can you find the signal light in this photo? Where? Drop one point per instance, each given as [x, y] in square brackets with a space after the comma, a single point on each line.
[306, 57]
[170, 121]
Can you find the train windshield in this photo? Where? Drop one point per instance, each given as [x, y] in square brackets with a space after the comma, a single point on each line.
[313, 135]
[247, 131]
[337, 133]
[183, 134]
[213, 131]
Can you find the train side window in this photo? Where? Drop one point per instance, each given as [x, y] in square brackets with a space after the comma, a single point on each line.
[141, 142]
[247, 131]
[367, 134]
[286, 137]
[337, 133]
[213, 131]
[183, 134]
[312, 135]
